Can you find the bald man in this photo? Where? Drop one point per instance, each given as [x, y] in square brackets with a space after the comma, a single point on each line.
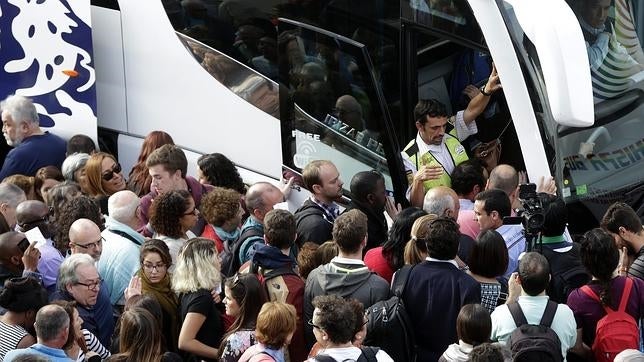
[443, 201]
[350, 112]
[17, 257]
[260, 199]
[33, 214]
[85, 238]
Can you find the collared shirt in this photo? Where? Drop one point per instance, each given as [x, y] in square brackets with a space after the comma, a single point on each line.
[332, 210]
[440, 152]
[54, 354]
[451, 261]
[466, 204]
[515, 242]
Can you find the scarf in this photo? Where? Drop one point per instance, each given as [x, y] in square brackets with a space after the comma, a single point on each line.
[225, 235]
[162, 292]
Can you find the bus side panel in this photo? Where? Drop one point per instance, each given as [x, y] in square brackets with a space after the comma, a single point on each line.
[110, 70]
[168, 89]
[46, 54]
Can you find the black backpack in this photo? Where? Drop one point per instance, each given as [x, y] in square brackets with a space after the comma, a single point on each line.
[389, 326]
[567, 273]
[368, 355]
[229, 257]
[534, 343]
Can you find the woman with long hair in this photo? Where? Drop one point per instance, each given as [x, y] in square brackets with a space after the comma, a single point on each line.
[196, 276]
[386, 259]
[46, 178]
[81, 344]
[172, 215]
[487, 264]
[21, 298]
[153, 279]
[139, 179]
[600, 257]
[416, 248]
[104, 178]
[217, 170]
[276, 324]
[140, 338]
[245, 296]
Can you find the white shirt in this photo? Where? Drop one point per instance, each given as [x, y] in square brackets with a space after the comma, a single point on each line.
[466, 204]
[352, 354]
[533, 307]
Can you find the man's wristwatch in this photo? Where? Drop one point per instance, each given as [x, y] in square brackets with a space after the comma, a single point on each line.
[482, 89]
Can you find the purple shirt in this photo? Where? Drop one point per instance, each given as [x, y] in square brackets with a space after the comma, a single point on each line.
[588, 312]
[50, 260]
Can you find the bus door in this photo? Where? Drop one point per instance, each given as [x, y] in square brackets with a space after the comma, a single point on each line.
[448, 59]
[332, 106]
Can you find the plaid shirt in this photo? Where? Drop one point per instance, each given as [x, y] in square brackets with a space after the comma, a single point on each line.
[331, 210]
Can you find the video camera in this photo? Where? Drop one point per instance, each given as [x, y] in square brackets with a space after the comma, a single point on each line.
[531, 216]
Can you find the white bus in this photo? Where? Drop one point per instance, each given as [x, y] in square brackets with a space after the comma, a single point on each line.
[273, 84]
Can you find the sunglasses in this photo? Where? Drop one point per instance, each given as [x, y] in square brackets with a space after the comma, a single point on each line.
[30, 224]
[110, 173]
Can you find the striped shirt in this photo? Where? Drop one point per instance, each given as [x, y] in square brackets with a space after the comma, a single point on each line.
[93, 345]
[11, 336]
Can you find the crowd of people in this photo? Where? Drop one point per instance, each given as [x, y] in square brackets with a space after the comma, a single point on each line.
[166, 267]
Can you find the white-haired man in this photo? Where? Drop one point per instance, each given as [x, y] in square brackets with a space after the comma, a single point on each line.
[120, 257]
[33, 147]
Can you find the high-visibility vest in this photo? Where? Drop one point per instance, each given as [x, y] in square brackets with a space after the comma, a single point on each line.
[456, 151]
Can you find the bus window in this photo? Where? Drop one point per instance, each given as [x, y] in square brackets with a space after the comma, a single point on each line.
[335, 111]
[598, 165]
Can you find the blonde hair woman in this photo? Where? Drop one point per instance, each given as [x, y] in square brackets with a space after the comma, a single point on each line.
[416, 249]
[196, 276]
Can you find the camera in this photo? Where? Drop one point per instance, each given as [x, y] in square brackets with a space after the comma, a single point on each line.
[532, 214]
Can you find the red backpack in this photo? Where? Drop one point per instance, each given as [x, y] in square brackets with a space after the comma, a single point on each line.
[617, 330]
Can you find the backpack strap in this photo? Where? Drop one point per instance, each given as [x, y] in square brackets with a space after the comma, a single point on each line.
[262, 352]
[369, 353]
[549, 314]
[626, 293]
[324, 358]
[517, 314]
[400, 281]
[623, 301]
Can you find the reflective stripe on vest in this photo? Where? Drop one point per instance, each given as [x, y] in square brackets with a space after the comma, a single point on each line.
[456, 151]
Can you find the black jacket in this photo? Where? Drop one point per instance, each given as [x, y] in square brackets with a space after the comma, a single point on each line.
[313, 224]
[376, 224]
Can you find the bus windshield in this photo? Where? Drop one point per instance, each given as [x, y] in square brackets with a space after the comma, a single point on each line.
[601, 164]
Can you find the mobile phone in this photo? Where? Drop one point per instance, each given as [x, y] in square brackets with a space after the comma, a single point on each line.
[23, 245]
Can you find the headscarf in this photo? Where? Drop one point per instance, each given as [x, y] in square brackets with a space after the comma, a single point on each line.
[163, 293]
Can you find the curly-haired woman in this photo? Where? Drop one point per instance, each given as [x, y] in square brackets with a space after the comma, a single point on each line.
[223, 212]
[172, 215]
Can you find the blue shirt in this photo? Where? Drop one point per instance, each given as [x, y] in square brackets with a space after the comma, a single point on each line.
[54, 354]
[120, 258]
[33, 153]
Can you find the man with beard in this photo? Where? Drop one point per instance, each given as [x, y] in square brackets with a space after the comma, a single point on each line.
[33, 148]
[430, 158]
[626, 227]
[316, 216]
[33, 214]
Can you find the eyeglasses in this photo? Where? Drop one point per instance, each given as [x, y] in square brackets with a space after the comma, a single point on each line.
[310, 322]
[29, 224]
[110, 173]
[93, 245]
[194, 212]
[151, 267]
[91, 286]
